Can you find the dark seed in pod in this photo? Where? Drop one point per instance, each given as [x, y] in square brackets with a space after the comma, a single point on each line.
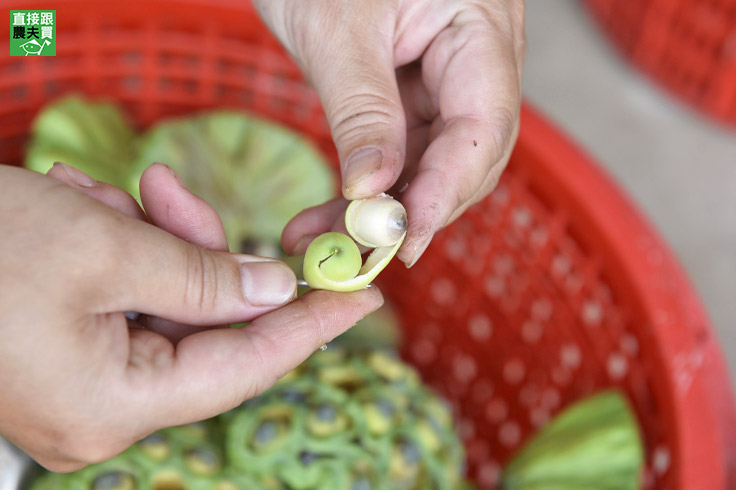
[326, 413]
[113, 480]
[293, 396]
[204, 456]
[362, 484]
[411, 452]
[153, 439]
[266, 432]
[385, 407]
[308, 457]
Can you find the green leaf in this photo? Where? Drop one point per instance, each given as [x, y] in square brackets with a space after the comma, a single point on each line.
[593, 445]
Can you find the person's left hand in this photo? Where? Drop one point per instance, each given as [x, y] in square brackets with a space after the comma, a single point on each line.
[80, 382]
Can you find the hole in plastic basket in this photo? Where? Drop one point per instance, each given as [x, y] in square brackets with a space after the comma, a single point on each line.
[443, 291]
[464, 368]
[531, 331]
[423, 351]
[509, 434]
[19, 92]
[503, 264]
[496, 411]
[541, 309]
[529, 395]
[489, 474]
[514, 371]
[539, 416]
[617, 366]
[455, 249]
[466, 429]
[131, 84]
[592, 313]
[660, 460]
[570, 356]
[482, 390]
[522, 217]
[480, 327]
[629, 344]
[561, 376]
[551, 398]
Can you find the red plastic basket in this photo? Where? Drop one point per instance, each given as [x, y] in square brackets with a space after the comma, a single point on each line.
[688, 46]
[550, 289]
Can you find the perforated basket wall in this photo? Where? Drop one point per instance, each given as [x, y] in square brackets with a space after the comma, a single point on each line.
[687, 46]
[550, 289]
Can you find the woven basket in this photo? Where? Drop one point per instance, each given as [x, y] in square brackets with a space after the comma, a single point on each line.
[550, 289]
[687, 46]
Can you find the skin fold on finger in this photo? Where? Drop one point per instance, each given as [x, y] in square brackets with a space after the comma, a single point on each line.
[213, 371]
[108, 194]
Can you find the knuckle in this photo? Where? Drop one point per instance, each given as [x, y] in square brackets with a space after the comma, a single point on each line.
[201, 281]
[356, 114]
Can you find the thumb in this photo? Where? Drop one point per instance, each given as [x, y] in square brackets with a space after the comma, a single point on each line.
[167, 277]
[350, 63]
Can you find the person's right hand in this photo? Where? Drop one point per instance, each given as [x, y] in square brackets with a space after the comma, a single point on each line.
[80, 382]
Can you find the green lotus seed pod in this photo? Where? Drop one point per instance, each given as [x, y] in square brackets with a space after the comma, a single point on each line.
[119, 473]
[91, 136]
[256, 174]
[389, 367]
[344, 377]
[50, 481]
[203, 460]
[325, 420]
[155, 447]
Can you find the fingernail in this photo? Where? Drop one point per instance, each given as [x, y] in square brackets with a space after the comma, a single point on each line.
[267, 283]
[360, 165]
[77, 176]
[419, 249]
[176, 176]
[302, 244]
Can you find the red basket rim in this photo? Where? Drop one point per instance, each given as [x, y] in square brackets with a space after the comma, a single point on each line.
[704, 411]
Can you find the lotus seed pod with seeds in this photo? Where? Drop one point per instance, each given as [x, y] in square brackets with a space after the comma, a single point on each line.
[120, 473]
[353, 418]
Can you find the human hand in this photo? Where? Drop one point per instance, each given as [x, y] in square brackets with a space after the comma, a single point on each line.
[422, 96]
[80, 382]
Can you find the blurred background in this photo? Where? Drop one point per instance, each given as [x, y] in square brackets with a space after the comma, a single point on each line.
[677, 164]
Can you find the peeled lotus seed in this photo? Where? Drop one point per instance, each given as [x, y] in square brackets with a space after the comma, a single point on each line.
[376, 222]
